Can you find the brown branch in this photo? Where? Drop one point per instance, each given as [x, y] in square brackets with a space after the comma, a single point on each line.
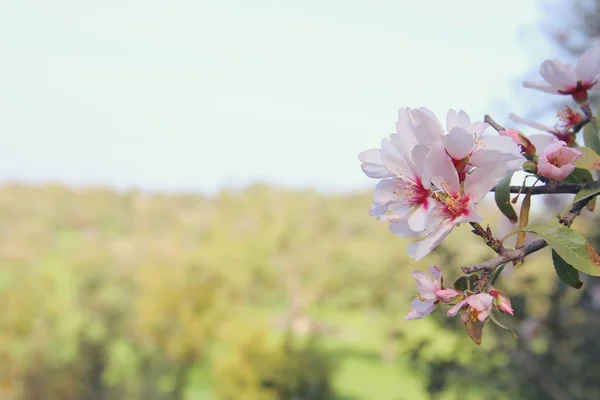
[550, 187]
[522, 252]
[489, 120]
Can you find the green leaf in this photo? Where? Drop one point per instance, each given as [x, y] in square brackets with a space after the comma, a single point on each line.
[466, 283]
[588, 160]
[591, 137]
[591, 189]
[523, 222]
[570, 246]
[580, 175]
[494, 320]
[502, 196]
[497, 273]
[566, 272]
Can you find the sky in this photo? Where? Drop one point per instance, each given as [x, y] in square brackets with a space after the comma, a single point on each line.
[203, 95]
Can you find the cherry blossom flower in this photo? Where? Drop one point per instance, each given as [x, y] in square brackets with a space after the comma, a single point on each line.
[430, 293]
[455, 201]
[527, 148]
[567, 79]
[479, 307]
[556, 161]
[501, 302]
[563, 134]
[404, 195]
[465, 144]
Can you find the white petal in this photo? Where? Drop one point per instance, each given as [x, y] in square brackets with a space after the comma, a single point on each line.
[419, 219]
[402, 230]
[451, 120]
[420, 249]
[494, 150]
[527, 122]
[588, 65]
[543, 86]
[561, 76]
[384, 192]
[394, 159]
[479, 182]
[442, 171]
[541, 141]
[428, 130]
[436, 272]
[454, 310]
[426, 288]
[459, 143]
[420, 309]
[372, 164]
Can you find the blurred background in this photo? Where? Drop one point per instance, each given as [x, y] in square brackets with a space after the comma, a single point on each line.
[184, 215]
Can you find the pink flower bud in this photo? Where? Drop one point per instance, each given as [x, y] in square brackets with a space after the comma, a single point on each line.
[556, 161]
[501, 302]
[527, 148]
[448, 296]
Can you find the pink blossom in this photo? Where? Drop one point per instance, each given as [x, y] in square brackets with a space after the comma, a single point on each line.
[404, 195]
[567, 119]
[501, 302]
[455, 201]
[426, 300]
[527, 148]
[466, 145]
[556, 161]
[479, 307]
[430, 293]
[449, 295]
[567, 79]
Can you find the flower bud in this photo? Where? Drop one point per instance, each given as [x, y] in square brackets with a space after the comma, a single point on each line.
[501, 302]
[449, 296]
[530, 166]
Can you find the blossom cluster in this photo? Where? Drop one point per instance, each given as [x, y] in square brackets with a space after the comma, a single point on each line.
[431, 177]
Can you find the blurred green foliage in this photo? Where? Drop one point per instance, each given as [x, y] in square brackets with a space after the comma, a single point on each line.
[258, 294]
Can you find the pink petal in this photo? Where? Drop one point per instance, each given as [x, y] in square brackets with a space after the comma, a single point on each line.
[420, 309]
[588, 65]
[532, 124]
[419, 219]
[425, 287]
[479, 182]
[436, 272]
[420, 249]
[561, 76]
[459, 143]
[443, 173]
[372, 164]
[543, 86]
[454, 310]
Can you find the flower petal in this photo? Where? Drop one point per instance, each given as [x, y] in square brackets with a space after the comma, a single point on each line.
[479, 182]
[420, 249]
[372, 164]
[543, 86]
[588, 65]
[459, 143]
[454, 310]
[425, 287]
[420, 309]
[561, 76]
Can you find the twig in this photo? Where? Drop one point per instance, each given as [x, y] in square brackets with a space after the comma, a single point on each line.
[522, 252]
[551, 187]
[489, 120]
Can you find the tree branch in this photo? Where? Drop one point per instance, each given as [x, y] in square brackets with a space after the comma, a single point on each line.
[550, 187]
[522, 252]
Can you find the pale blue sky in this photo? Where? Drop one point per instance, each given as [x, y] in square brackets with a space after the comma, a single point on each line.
[200, 95]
